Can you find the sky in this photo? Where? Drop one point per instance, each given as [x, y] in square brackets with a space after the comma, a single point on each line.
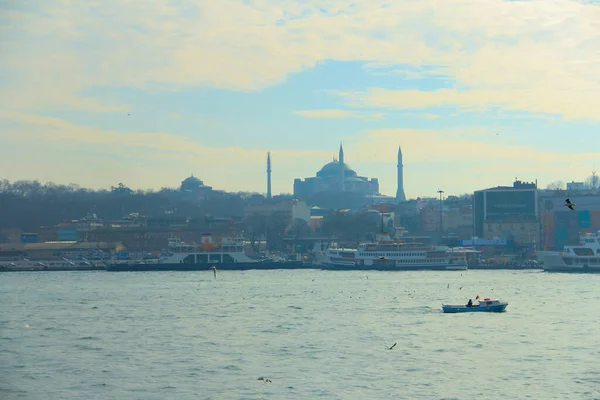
[476, 92]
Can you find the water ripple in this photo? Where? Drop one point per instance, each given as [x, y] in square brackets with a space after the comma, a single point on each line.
[314, 334]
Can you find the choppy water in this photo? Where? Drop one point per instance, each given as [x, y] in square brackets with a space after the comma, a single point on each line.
[314, 334]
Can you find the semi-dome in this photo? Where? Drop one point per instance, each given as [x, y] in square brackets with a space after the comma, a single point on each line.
[333, 169]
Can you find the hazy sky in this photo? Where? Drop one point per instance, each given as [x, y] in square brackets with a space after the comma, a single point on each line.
[477, 92]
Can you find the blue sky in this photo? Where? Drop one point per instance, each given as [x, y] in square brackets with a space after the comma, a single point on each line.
[476, 93]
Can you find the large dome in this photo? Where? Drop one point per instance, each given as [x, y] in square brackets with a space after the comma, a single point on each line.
[191, 183]
[193, 180]
[333, 169]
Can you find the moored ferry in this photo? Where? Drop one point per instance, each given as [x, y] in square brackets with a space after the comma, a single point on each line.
[582, 258]
[229, 255]
[389, 255]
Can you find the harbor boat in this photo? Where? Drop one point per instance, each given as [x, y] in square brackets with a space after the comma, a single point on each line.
[392, 255]
[487, 305]
[26, 265]
[582, 258]
[229, 255]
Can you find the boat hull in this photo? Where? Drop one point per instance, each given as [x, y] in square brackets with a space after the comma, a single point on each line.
[241, 266]
[453, 309]
[555, 262]
[341, 267]
[572, 269]
[503, 267]
[41, 268]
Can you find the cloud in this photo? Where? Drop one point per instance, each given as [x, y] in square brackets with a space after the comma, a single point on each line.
[514, 56]
[79, 153]
[461, 160]
[535, 56]
[471, 145]
[569, 104]
[335, 114]
[422, 115]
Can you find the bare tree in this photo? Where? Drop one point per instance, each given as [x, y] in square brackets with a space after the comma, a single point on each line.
[556, 185]
[592, 181]
[28, 204]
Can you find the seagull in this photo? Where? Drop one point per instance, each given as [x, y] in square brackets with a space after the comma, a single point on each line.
[390, 348]
[264, 380]
[570, 205]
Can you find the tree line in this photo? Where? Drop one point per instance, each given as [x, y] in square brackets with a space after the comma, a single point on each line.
[592, 182]
[27, 205]
[30, 204]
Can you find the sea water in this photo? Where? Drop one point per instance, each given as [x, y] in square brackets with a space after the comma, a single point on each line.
[313, 334]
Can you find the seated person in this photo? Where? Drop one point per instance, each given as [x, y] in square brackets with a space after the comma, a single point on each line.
[470, 303]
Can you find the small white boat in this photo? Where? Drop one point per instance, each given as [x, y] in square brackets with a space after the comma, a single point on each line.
[486, 305]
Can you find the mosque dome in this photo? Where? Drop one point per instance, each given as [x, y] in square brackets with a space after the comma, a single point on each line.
[192, 180]
[191, 183]
[333, 169]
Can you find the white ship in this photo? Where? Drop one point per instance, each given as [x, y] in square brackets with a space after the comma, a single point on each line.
[228, 255]
[582, 258]
[230, 251]
[389, 255]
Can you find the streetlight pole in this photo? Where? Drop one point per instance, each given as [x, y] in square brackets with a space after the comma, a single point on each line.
[441, 192]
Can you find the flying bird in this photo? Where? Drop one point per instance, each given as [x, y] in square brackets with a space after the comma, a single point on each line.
[570, 205]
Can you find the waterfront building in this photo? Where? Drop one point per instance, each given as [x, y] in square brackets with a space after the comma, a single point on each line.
[508, 212]
[288, 211]
[560, 226]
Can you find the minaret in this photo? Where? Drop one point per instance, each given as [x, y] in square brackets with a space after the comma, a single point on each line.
[400, 196]
[269, 176]
[341, 167]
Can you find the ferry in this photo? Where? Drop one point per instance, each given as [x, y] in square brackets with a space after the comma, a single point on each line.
[582, 258]
[230, 255]
[389, 255]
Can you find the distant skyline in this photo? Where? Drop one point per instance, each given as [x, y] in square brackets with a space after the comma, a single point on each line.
[476, 93]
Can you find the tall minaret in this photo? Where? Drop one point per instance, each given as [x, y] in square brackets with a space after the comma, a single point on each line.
[269, 176]
[400, 196]
[342, 167]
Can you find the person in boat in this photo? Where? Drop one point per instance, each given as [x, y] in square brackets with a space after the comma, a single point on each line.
[470, 303]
